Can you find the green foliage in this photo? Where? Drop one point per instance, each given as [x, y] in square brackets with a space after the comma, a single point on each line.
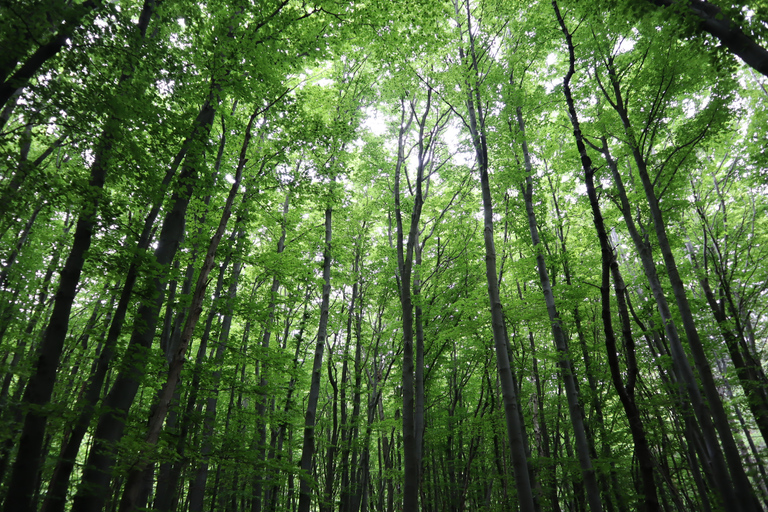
[331, 86]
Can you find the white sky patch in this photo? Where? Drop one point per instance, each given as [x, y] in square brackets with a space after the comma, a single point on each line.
[692, 107]
[375, 122]
[551, 59]
[452, 137]
[549, 85]
[624, 46]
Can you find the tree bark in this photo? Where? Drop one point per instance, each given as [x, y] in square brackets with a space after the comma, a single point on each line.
[32, 65]
[97, 474]
[712, 20]
[625, 392]
[515, 427]
[308, 447]
[131, 492]
[745, 496]
[565, 364]
[39, 389]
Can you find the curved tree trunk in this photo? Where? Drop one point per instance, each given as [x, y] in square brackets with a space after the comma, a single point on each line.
[712, 20]
[744, 495]
[39, 389]
[626, 393]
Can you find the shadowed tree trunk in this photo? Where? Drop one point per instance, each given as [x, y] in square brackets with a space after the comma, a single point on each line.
[97, 474]
[711, 412]
[308, 449]
[626, 392]
[131, 492]
[39, 389]
[477, 130]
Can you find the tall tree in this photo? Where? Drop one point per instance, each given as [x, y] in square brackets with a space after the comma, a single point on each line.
[40, 387]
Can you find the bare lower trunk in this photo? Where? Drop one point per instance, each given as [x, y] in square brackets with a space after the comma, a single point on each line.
[626, 393]
[97, 474]
[743, 498]
[308, 449]
[565, 364]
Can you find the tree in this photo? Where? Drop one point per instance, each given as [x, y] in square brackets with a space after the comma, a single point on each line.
[451, 256]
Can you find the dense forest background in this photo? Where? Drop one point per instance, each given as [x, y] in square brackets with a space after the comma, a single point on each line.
[292, 255]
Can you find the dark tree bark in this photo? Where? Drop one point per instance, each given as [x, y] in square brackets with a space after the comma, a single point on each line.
[308, 447]
[262, 479]
[712, 408]
[198, 486]
[712, 20]
[55, 497]
[689, 387]
[404, 264]
[610, 488]
[34, 62]
[97, 474]
[131, 492]
[515, 427]
[567, 371]
[40, 387]
[625, 392]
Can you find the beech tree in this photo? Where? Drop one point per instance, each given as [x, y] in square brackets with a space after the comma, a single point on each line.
[334, 256]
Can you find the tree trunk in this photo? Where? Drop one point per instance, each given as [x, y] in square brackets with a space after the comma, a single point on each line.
[405, 248]
[515, 428]
[626, 393]
[260, 480]
[39, 389]
[32, 65]
[712, 20]
[744, 495]
[308, 449]
[97, 474]
[565, 364]
[132, 489]
[685, 377]
[197, 488]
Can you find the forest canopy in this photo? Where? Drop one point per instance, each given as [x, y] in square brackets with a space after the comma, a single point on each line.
[465, 255]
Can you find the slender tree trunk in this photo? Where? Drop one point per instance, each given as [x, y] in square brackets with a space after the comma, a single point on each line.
[260, 480]
[745, 499]
[132, 488]
[39, 390]
[685, 376]
[326, 495]
[515, 428]
[197, 488]
[564, 362]
[750, 376]
[405, 248]
[21, 239]
[308, 449]
[349, 483]
[626, 393]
